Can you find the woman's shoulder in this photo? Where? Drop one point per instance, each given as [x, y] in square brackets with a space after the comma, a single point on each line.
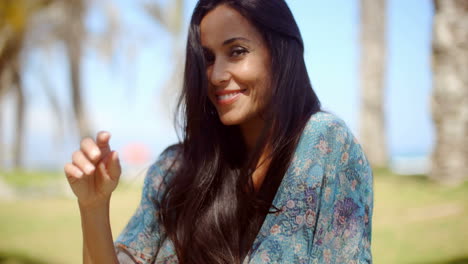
[164, 166]
[327, 136]
[169, 157]
[325, 124]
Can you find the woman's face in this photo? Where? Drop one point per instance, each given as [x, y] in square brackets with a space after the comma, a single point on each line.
[238, 66]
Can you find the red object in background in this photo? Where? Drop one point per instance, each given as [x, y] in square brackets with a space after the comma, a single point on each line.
[136, 154]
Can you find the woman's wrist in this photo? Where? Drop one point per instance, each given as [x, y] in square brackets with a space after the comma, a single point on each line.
[97, 234]
[101, 205]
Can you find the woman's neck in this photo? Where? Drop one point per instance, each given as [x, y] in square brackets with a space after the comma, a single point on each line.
[251, 131]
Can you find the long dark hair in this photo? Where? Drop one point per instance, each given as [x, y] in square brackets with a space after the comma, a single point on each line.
[210, 209]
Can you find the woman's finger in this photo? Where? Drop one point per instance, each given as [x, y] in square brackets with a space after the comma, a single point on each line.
[91, 150]
[113, 165]
[73, 173]
[110, 166]
[102, 141]
[81, 161]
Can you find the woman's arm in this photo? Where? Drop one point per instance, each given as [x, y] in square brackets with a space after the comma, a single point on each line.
[143, 240]
[97, 235]
[93, 175]
[344, 217]
[86, 258]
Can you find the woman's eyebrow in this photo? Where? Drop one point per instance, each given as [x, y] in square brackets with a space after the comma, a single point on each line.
[229, 41]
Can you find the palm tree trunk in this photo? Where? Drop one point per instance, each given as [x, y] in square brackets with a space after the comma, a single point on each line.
[74, 57]
[74, 35]
[450, 91]
[171, 17]
[19, 126]
[373, 59]
[2, 142]
[10, 81]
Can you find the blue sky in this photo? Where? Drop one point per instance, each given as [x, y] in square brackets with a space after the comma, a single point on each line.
[124, 91]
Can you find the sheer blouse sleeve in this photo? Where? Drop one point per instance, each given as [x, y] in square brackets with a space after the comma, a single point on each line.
[344, 216]
[326, 201]
[140, 240]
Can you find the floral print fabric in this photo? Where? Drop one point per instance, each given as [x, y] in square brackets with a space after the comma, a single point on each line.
[326, 201]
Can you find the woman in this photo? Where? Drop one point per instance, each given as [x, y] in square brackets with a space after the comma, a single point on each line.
[262, 175]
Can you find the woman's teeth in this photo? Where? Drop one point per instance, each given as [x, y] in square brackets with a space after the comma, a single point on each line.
[227, 96]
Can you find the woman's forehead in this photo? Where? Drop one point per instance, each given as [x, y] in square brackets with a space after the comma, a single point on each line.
[224, 23]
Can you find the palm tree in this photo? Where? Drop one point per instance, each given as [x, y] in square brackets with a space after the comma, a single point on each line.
[15, 17]
[43, 23]
[73, 34]
[450, 91]
[373, 59]
[171, 18]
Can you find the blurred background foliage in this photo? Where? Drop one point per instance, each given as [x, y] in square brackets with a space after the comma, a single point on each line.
[417, 218]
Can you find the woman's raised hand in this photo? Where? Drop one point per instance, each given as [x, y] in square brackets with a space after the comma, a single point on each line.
[94, 172]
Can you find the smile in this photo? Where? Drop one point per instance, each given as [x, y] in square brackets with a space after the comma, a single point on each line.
[228, 97]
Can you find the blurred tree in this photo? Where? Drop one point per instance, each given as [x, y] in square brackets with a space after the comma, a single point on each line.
[373, 59]
[171, 17]
[450, 91]
[73, 33]
[41, 24]
[15, 17]
[68, 27]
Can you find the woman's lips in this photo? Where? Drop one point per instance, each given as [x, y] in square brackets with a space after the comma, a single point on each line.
[228, 97]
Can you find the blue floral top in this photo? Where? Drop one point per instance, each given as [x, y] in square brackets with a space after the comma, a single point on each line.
[326, 199]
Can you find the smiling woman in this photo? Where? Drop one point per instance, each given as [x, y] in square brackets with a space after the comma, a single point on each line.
[261, 175]
[238, 69]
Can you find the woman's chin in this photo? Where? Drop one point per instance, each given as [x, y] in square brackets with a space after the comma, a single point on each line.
[230, 120]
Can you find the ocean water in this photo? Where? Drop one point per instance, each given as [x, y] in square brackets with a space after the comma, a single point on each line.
[410, 163]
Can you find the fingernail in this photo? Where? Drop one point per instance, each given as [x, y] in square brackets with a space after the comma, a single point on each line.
[79, 174]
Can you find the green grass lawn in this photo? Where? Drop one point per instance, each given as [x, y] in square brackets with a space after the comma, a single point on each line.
[415, 221]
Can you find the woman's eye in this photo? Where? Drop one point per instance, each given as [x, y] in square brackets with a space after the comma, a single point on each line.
[209, 58]
[238, 51]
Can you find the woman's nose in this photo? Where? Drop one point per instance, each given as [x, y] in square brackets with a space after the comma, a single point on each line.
[218, 73]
